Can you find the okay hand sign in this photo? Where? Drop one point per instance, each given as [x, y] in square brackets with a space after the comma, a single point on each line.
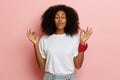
[32, 36]
[85, 34]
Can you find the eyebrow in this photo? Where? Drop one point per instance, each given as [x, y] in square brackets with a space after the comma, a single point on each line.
[62, 14]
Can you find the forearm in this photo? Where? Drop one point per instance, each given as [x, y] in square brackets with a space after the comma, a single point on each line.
[78, 60]
[84, 35]
[39, 59]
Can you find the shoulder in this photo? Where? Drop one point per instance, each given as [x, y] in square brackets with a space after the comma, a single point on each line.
[76, 36]
[43, 37]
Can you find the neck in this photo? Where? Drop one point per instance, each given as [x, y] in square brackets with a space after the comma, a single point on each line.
[59, 32]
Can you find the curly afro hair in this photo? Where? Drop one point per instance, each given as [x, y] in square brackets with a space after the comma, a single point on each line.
[48, 24]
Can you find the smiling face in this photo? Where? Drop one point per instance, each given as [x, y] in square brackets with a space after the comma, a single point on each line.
[60, 20]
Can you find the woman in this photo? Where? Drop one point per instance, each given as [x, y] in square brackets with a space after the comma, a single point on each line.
[61, 49]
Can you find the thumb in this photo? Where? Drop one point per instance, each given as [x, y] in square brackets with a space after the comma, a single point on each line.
[82, 32]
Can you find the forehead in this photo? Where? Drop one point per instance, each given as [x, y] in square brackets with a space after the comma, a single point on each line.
[60, 12]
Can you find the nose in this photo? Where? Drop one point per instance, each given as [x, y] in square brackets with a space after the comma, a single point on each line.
[60, 19]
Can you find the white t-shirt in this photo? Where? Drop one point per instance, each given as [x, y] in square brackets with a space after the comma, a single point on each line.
[59, 51]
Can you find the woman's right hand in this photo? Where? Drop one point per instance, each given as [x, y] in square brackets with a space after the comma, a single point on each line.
[32, 36]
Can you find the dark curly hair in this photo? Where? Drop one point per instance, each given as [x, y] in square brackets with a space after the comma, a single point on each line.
[48, 24]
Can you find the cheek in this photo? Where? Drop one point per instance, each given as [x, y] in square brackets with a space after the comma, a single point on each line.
[56, 20]
[65, 21]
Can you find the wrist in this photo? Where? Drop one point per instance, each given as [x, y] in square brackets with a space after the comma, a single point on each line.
[82, 47]
[83, 43]
[35, 44]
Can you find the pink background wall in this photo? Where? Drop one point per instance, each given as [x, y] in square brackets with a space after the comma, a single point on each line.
[17, 58]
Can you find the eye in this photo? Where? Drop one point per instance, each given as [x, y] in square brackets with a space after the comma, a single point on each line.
[56, 16]
[63, 16]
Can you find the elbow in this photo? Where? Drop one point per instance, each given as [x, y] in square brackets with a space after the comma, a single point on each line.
[78, 66]
[42, 68]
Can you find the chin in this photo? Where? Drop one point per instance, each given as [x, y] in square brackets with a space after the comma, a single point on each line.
[60, 27]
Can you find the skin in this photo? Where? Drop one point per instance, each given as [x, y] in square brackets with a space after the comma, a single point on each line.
[32, 36]
[60, 22]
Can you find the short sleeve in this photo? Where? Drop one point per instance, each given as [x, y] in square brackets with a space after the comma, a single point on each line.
[41, 47]
[76, 45]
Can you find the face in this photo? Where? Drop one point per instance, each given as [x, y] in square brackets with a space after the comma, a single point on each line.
[60, 20]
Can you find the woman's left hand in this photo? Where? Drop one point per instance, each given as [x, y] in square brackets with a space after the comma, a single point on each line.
[85, 34]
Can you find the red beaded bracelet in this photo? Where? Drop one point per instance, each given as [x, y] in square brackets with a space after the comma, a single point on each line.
[82, 48]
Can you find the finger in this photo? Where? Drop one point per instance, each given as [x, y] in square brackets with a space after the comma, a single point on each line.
[36, 37]
[28, 32]
[90, 30]
[33, 33]
[90, 33]
[87, 29]
[82, 32]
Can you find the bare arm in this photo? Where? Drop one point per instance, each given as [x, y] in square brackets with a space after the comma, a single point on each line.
[40, 61]
[84, 35]
[78, 60]
[34, 39]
